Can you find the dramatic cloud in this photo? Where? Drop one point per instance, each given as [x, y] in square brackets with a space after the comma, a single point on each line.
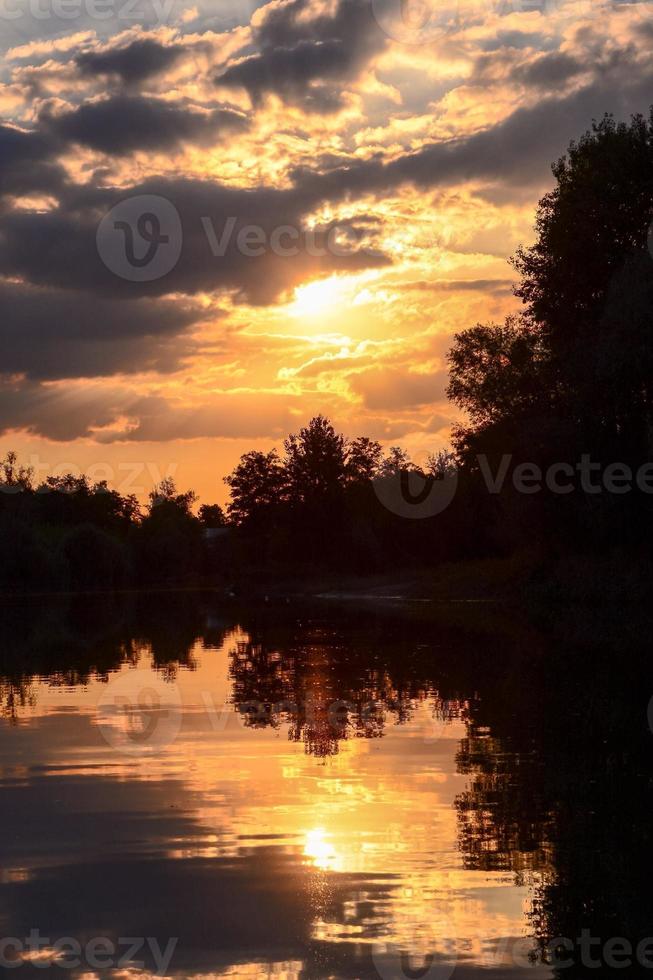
[391, 389]
[123, 124]
[51, 334]
[58, 247]
[111, 413]
[550, 71]
[26, 163]
[131, 64]
[305, 59]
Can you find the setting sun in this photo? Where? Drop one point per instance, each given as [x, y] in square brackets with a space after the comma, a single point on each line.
[318, 298]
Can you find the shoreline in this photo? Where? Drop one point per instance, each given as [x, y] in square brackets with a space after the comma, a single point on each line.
[517, 580]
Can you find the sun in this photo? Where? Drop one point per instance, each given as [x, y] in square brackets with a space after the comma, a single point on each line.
[319, 850]
[317, 298]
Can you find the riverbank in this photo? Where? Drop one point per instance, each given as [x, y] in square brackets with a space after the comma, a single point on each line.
[517, 579]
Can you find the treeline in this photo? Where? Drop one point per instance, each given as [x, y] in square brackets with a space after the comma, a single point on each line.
[554, 458]
[68, 533]
[314, 507]
[321, 503]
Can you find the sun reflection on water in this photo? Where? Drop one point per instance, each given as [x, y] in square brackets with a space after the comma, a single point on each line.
[320, 851]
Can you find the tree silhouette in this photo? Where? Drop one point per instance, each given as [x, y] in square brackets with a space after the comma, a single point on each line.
[316, 461]
[582, 348]
[363, 459]
[211, 516]
[257, 485]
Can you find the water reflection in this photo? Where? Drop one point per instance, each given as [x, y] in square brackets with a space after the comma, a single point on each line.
[319, 793]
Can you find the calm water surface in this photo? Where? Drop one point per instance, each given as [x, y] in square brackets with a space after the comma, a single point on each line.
[301, 792]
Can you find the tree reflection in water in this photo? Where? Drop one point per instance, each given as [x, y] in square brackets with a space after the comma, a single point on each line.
[557, 748]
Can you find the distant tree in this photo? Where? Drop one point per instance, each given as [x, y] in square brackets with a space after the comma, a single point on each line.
[441, 464]
[165, 495]
[169, 536]
[13, 477]
[573, 374]
[68, 499]
[363, 458]
[316, 461]
[257, 485]
[397, 461]
[211, 515]
[598, 214]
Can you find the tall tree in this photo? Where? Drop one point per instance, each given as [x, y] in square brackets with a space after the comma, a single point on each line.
[316, 461]
[363, 459]
[583, 348]
[257, 485]
[591, 250]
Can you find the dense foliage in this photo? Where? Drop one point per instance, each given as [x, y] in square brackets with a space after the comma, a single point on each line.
[315, 507]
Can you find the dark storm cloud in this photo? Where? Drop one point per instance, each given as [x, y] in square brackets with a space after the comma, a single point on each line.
[55, 412]
[134, 63]
[519, 150]
[459, 285]
[123, 124]
[64, 413]
[50, 334]
[58, 248]
[288, 73]
[26, 163]
[549, 71]
[305, 61]
[516, 39]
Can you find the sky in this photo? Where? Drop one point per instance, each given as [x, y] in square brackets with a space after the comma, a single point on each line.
[218, 220]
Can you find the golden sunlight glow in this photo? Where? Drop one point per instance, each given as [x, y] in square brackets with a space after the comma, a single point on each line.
[318, 298]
